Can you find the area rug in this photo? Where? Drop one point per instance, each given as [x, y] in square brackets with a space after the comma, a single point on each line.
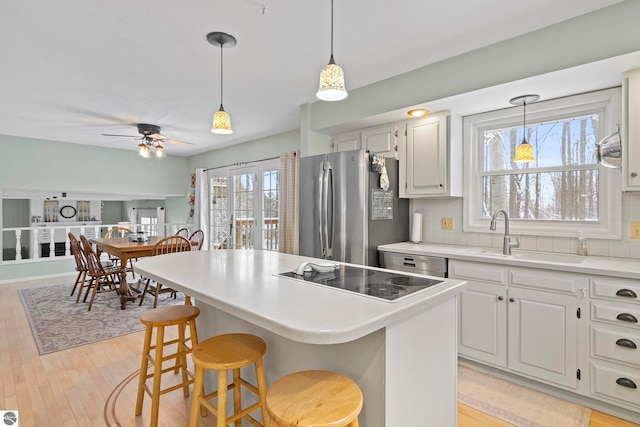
[515, 404]
[58, 322]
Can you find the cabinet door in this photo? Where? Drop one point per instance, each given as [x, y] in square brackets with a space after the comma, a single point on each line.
[483, 328]
[346, 142]
[380, 140]
[426, 159]
[631, 131]
[543, 335]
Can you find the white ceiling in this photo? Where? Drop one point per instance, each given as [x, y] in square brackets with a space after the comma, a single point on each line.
[75, 69]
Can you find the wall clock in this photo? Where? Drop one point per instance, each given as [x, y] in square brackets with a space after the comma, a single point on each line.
[67, 211]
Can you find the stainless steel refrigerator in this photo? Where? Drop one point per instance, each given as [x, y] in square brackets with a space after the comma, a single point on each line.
[344, 213]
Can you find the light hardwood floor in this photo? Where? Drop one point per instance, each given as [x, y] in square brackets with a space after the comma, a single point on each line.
[70, 387]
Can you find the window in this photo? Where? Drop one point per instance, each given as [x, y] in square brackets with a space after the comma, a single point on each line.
[564, 190]
[245, 206]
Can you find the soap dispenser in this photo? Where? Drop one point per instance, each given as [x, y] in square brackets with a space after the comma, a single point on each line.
[582, 244]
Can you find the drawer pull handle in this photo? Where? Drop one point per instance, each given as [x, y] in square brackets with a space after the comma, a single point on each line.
[623, 342]
[626, 382]
[500, 297]
[409, 264]
[512, 300]
[627, 293]
[626, 317]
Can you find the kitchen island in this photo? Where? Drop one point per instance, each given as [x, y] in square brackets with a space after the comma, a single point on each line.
[402, 354]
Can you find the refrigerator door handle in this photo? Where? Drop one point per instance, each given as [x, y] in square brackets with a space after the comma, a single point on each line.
[329, 230]
[320, 207]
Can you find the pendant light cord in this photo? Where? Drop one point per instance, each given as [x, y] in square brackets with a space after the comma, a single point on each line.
[221, 72]
[332, 29]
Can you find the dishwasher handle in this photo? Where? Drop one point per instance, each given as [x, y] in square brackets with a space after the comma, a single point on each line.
[409, 261]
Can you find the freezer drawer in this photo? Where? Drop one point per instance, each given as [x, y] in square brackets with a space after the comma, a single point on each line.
[420, 264]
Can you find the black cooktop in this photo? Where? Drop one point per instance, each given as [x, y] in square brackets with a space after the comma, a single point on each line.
[380, 284]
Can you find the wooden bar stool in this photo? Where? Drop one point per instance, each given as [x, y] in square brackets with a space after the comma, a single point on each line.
[314, 399]
[159, 318]
[223, 353]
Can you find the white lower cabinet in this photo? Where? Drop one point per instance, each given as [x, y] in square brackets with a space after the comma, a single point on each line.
[543, 335]
[615, 341]
[521, 320]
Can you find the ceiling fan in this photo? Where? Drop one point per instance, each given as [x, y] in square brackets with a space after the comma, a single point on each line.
[150, 138]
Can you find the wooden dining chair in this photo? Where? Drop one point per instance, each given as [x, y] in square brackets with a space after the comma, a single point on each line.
[198, 237]
[183, 232]
[120, 232]
[81, 265]
[103, 279]
[168, 245]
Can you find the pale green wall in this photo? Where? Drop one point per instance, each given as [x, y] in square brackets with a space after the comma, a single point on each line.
[265, 148]
[58, 166]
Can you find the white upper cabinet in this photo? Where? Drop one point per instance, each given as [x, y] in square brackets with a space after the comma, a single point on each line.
[346, 142]
[431, 157]
[631, 131]
[381, 140]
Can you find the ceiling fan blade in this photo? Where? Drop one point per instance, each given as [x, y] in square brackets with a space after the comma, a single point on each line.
[173, 141]
[157, 136]
[123, 136]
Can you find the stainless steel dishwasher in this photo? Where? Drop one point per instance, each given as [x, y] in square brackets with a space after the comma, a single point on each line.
[420, 264]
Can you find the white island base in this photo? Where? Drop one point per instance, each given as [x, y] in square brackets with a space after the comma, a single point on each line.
[406, 371]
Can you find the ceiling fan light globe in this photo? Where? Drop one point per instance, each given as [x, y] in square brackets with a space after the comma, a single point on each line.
[159, 152]
[144, 150]
[332, 86]
[221, 123]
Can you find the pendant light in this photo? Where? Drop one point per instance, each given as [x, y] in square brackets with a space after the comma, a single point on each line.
[221, 120]
[332, 77]
[524, 152]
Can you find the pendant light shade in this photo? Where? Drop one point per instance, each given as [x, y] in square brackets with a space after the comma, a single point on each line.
[221, 122]
[524, 152]
[332, 86]
[221, 119]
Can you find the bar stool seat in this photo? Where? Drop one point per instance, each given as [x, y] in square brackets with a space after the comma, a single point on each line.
[159, 318]
[314, 399]
[222, 353]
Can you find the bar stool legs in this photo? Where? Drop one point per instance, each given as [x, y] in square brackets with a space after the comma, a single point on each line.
[224, 353]
[314, 399]
[159, 318]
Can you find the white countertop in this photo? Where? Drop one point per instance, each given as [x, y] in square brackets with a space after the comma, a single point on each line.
[610, 266]
[242, 283]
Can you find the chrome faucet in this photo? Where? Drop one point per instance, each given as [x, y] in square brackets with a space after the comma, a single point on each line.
[507, 244]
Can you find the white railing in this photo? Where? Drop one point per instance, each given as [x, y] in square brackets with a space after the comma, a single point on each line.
[35, 238]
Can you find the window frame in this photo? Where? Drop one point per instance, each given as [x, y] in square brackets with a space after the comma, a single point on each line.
[608, 104]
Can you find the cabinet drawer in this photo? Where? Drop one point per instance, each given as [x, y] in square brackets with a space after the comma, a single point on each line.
[476, 271]
[548, 280]
[616, 344]
[615, 383]
[624, 290]
[620, 314]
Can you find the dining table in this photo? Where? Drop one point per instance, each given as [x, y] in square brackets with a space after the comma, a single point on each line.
[125, 249]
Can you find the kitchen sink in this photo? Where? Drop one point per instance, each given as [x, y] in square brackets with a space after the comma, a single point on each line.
[529, 255]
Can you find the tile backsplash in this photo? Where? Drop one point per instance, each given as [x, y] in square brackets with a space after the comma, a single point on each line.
[433, 210]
